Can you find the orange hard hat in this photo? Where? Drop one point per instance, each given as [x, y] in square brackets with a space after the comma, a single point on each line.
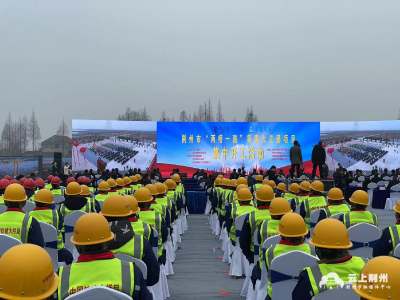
[225, 182]
[240, 186]
[103, 186]
[44, 196]
[120, 182]
[127, 181]
[272, 184]
[265, 181]
[265, 193]
[133, 178]
[138, 176]
[91, 229]
[218, 181]
[335, 194]
[85, 190]
[143, 195]
[244, 195]
[360, 197]
[116, 206]
[15, 193]
[305, 186]
[152, 189]
[170, 184]
[162, 189]
[294, 188]
[259, 178]
[317, 186]
[176, 178]
[279, 206]
[133, 204]
[281, 186]
[232, 182]
[292, 225]
[73, 189]
[111, 182]
[330, 234]
[242, 180]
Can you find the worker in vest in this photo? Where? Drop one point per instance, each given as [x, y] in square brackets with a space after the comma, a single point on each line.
[233, 203]
[294, 189]
[313, 202]
[331, 241]
[74, 201]
[162, 199]
[103, 189]
[14, 222]
[359, 202]
[264, 196]
[43, 213]
[139, 180]
[55, 186]
[172, 194]
[30, 187]
[25, 276]
[134, 184]
[48, 185]
[116, 210]
[244, 197]
[225, 198]
[81, 180]
[120, 186]
[154, 219]
[272, 184]
[88, 183]
[385, 283]
[292, 230]
[157, 207]
[127, 186]
[93, 203]
[4, 183]
[220, 177]
[335, 199]
[179, 187]
[259, 182]
[280, 189]
[96, 265]
[138, 226]
[113, 187]
[390, 236]
[303, 194]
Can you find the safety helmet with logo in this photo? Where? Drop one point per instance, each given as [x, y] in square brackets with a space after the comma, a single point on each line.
[389, 266]
[292, 225]
[73, 189]
[335, 194]
[294, 188]
[71, 179]
[133, 204]
[13, 181]
[143, 195]
[14, 193]
[29, 184]
[4, 183]
[91, 229]
[225, 182]
[162, 189]
[396, 208]
[242, 180]
[330, 234]
[360, 197]
[85, 190]
[279, 206]
[120, 182]
[55, 180]
[265, 193]
[133, 179]
[176, 178]
[40, 182]
[27, 276]
[49, 178]
[244, 195]
[272, 184]
[170, 184]
[139, 177]
[103, 186]
[281, 186]
[240, 186]
[305, 186]
[7, 177]
[259, 178]
[87, 180]
[152, 189]
[111, 182]
[317, 186]
[81, 179]
[44, 196]
[116, 206]
[22, 181]
[218, 181]
[232, 183]
[220, 176]
[265, 181]
[127, 181]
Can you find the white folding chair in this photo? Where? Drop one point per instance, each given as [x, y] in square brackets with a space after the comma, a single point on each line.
[58, 199]
[239, 263]
[353, 183]
[337, 216]
[98, 292]
[140, 264]
[371, 186]
[381, 183]
[50, 235]
[69, 224]
[3, 208]
[7, 242]
[29, 206]
[285, 270]
[361, 178]
[344, 292]
[395, 192]
[313, 220]
[396, 252]
[387, 178]
[363, 236]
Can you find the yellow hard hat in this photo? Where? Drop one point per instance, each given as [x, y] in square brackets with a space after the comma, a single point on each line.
[279, 206]
[259, 178]
[103, 186]
[44, 196]
[305, 186]
[120, 182]
[265, 193]
[143, 195]
[133, 179]
[152, 189]
[379, 265]
[218, 181]
[27, 273]
[335, 194]
[127, 181]
[225, 182]
[331, 234]
[265, 181]
[116, 206]
[292, 225]
[176, 178]
[360, 197]
[85, 190]
[133, 204]
[232, 182]
[242, 180]
[244, 195]
[73, 189]
[139, 177]
[15, 193]
[281, 186]
[166, 188]
[317, 186]
[91, 229]
[220, 176]
[240, 186]
[396, 208]
[111, 182]
[170, 184]
[294, 188]
[272, 184]
[162, 189]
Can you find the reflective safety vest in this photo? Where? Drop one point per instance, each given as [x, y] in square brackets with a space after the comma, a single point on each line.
[127, 190]
[356, 217]
[161, 209]
[256, 186]
[165, 201]
[174, 196]
[179, 188]
[141, 228]
[101, 197]
[92, 189]
[113, 273]
[49, 216]
[132, 248]
[342, 271]
[255, 218]
[57, 192]
[134, 187]
[120, 191]
[1, 200]
[225, 201]
[279, 249]
[16, 225]
[154, 219]
[299, 199]
[289, 196]
[113, 192]
[332, 210]
[267, 229]
[87, 208]
[237, 211]
[48, 186]
[312, 204]
[394, 234]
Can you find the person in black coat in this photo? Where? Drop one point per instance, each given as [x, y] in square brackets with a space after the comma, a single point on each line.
[54, 170]
[318, 157]
[393, 182]
[234, 175]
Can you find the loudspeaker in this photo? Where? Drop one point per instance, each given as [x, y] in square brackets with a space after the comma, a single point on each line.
[58, 160]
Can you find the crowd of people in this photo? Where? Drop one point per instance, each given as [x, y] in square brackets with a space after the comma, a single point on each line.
[366, 154]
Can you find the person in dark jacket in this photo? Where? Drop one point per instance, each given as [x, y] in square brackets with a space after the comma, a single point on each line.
[54, 169]
[234, 175]
[393, 182]
[296, 157]
[385, 174]
[318, 158]
[376, 178]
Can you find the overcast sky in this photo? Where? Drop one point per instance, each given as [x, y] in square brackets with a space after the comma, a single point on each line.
[292, 60]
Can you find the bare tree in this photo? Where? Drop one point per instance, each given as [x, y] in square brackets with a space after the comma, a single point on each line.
[173, 119]
[183, 116]
[6, 136]
[63, 131]
[131, 115]
[24, 134]
[190, 118]
[234, 119]
[200, 114]
[220, 117]
[164, 117]
[195, 117]
[250, 115]
[34, 131]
